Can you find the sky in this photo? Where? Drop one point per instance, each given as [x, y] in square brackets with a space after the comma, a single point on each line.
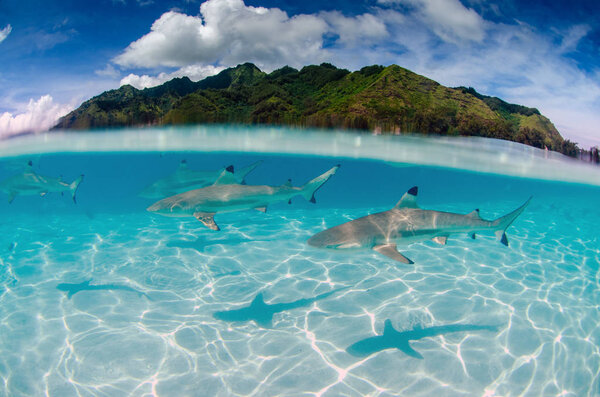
[55, 54]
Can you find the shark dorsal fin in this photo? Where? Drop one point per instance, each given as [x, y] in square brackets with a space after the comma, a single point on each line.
[288, 183]
[258, 300]
[388, 327]
[409, 200]
[474, 214]
[183, 164]
[87, 282]
[225, 177]
[30, 164]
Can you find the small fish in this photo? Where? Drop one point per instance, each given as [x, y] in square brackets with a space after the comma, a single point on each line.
[262, 313]
[71, 288]
[185, 179]
[392, 339]
[405, 224]
[204, 203]
[30, 183]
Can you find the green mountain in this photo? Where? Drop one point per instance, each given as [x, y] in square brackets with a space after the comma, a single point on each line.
[387, 99]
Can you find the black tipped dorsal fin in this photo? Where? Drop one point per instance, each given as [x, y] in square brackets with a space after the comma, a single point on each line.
[288, 183]
[474, 214]
[409, 200]
[183, 163]
[229, 168]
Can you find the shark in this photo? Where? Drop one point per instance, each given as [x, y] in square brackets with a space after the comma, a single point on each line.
[185, 179]
[262, 313]
[30, 183]
[204, 203]
[405, 224]
[393, 339]
[72, 288]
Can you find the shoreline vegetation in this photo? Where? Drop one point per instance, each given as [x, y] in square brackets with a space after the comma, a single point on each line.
[385, 100]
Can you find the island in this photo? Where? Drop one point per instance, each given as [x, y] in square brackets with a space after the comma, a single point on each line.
[386, 100]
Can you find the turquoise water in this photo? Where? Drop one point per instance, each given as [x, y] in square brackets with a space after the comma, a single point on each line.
[149, 327]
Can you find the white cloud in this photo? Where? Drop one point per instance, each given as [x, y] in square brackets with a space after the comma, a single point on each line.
[573, 36]
[108, 71]
[449, 19]
[362, 29]
[228, 32]
[5, 32]
[194, 72]
[37, 116]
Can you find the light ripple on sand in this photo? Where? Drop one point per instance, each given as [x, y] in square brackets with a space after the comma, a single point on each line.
[542, 291]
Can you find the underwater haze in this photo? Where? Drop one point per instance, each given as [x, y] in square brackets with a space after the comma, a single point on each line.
[104, 298]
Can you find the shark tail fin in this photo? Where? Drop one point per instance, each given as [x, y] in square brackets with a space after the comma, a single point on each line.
[501, 224]
[240, 175]
[74, 185]
[309, 189]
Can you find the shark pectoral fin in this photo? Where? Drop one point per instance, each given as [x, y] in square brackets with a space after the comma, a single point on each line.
[70, 294]
[11, 197]
[391, 251]
[208, 219]
[406, 348]
[261, 209]
[440, 239]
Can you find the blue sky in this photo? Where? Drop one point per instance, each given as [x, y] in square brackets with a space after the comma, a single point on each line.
[56, 54]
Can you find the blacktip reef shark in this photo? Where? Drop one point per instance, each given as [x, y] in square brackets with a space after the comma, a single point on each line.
[204, 203]
[30, 183]
[72, 288]
[405, 224]
[185, 179]
[262, 313]
[392, 339]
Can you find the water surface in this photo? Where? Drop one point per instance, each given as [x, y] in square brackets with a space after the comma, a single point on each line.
[541, 292]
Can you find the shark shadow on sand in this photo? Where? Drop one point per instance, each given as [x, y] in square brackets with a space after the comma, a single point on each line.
[393, 339]
[72, 288]
[262, 313]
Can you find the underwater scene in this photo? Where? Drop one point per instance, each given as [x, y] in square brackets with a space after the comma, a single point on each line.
[248, 265]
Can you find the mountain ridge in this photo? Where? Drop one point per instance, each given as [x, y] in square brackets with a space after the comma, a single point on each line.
[387, 99]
